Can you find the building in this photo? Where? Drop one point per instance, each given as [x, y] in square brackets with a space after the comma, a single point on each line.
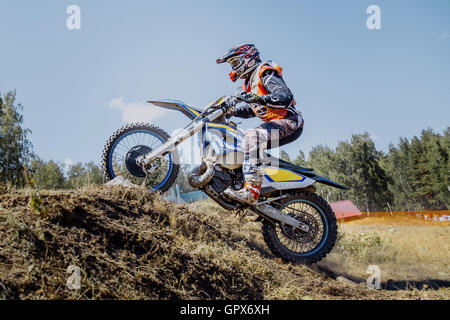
[345, 210]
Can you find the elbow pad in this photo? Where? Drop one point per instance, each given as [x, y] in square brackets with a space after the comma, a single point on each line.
[279, 93]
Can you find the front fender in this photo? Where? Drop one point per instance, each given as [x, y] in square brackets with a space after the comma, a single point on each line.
[187, 110]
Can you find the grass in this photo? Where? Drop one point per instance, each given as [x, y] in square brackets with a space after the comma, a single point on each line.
[409, 253]
[130, 244]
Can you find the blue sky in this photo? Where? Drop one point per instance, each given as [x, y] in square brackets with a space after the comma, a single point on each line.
[78, 86]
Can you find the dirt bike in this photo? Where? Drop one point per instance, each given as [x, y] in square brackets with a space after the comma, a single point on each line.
[297, 224]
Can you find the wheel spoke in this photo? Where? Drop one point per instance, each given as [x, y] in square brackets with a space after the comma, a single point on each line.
[127, 148]
[295, 240]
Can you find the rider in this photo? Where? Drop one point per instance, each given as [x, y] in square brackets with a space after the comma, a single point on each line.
[268, 98]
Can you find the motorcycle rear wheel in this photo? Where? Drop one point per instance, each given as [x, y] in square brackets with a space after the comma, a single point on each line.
[314, 244]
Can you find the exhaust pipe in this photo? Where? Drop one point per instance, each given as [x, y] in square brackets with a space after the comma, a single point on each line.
[201, 175]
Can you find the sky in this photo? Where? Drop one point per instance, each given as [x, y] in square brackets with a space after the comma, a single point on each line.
[78, 86]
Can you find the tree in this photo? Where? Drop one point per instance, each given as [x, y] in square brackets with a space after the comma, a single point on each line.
[46, 175]
[354, 163]
[437, 147]
[429, 169]
[75, 176]
[396, 164]
[80, 175]
[15, 148]
[285, 156]
[440, 168]
[94, 174]
[323, 160]
[300, 160]
[359, 161]
[419, 171]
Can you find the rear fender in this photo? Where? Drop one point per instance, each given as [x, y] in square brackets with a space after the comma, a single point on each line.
[320, 179]
[328, 182]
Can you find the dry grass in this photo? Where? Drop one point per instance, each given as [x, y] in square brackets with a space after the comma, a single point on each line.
[131, 244]
[409, 252]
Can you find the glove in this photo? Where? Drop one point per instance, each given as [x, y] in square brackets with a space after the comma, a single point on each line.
[250, 97]
[229, 113]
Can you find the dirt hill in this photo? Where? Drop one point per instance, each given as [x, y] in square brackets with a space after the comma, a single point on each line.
[130, 244]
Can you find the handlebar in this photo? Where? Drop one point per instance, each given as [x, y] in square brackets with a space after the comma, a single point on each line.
[226, 103]
[233, 99]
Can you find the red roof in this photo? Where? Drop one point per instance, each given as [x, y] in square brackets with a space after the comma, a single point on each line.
[345, 209]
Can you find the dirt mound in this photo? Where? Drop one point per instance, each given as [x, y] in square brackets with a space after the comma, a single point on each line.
[130, 244]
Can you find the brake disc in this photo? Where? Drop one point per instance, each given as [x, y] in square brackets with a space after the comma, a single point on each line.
[130, 160]
[297, 234]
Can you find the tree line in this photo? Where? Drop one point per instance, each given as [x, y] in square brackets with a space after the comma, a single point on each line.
[412, 175]
[16, 154]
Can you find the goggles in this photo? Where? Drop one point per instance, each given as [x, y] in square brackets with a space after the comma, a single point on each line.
[234, 62]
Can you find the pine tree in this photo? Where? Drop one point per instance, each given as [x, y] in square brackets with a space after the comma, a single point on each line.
[430, 170]
[397, 167]
[300, 160]
[357, 164]
[323, 160]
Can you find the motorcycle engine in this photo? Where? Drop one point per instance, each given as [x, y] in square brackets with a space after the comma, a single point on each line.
[223, 180]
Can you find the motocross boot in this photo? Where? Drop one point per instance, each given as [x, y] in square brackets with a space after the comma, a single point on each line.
[252, 188]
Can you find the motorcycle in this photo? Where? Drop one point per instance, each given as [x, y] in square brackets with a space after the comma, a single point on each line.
[297, 224]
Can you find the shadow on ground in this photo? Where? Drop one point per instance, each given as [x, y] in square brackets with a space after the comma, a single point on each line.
[390, 284]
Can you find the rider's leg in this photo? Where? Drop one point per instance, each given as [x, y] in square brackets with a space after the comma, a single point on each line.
[254, 144]
[254, 140]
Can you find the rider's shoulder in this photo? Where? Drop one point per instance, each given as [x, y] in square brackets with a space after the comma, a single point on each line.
[268, 63]
[267, 66]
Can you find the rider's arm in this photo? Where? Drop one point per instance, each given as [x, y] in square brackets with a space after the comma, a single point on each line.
[279, 94]
[244, 111]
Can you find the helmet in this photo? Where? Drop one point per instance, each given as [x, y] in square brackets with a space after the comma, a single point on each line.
[243, 59]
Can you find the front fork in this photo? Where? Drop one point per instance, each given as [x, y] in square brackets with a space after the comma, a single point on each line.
[149, 161]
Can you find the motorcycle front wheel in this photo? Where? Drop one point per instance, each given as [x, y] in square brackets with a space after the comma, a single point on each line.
[298, 246]
[129, 142]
